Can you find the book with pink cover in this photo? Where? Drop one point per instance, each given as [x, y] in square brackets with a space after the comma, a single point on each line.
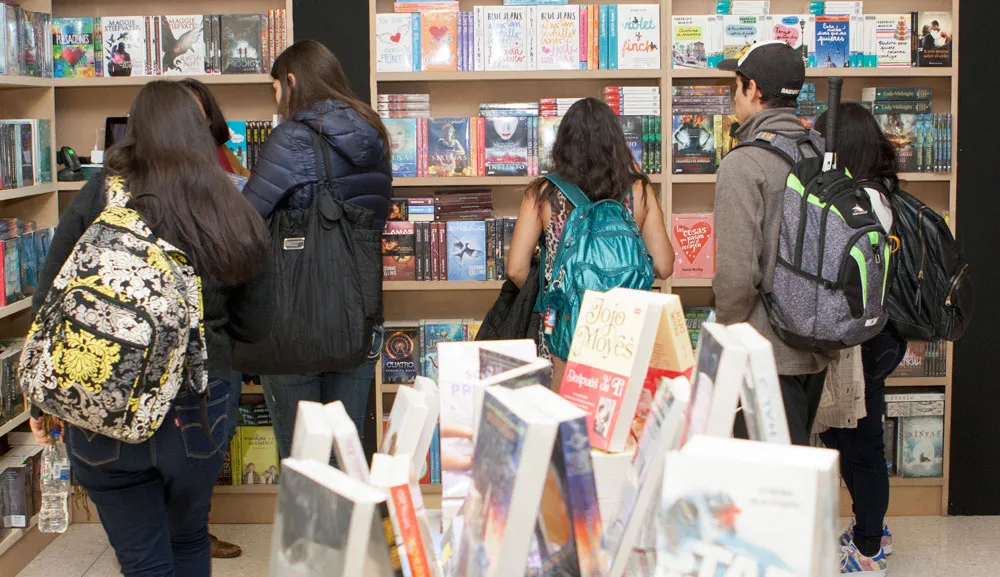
[693, 237]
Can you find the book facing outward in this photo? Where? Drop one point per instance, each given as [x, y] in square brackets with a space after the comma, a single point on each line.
[331, 525]
[661, 434]
[500, 366]
[125, 49]
[744, 508]
[607, 364]
[693, 237]
[509, 469]
[397, 42]
[439, 41]
[181, 47]
[406, 423]
[718, 377]
[409, 519]
[760, 393]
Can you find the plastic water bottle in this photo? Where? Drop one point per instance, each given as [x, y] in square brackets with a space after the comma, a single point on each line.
[54, 517]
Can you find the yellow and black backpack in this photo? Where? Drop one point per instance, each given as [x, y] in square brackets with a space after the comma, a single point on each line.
[121, 330]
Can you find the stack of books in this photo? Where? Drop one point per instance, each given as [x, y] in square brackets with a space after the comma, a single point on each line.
[914, 434]
[923, 360]
[25, 152]
[922, 139]
[12, 401]
[404, 106]
[702, 133]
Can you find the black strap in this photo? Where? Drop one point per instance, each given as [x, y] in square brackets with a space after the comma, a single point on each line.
[324, 167]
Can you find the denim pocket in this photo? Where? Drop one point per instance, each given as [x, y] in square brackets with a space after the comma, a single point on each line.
[197, 444]
[93, 448]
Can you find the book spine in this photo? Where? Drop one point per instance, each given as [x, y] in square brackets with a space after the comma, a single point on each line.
[477, 41]
[427, 251]
[603, 47]
[613, 36]
[482, 146]
[532, 37]
[914, 39]
[533, 124]
[433, 251]
[584, 44]
[901, 107]
[418, 262]
[443, 250]
[658, 148]
[491, 263]
[415, 42]
[265, 42]
[461, 41]
[206, 37]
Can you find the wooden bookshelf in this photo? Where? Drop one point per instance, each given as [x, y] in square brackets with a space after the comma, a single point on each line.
[876, 73]
[210, 79]
[14, 423]
[9, 82]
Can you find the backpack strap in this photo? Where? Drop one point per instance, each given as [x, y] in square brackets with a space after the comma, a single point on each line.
[793, 150]
[116, 191]
[572, 192]
[324, 169]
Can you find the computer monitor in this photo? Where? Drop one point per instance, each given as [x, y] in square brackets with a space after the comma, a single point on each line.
[114, 130]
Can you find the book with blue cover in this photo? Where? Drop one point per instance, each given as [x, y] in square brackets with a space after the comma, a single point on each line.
[432, 333]
[832, 41]
[448, 147]
[466, 250]
[403, 140]
[632, 127]
[238, 139]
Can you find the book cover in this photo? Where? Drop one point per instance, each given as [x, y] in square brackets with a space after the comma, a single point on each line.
[439, 41]
[29, 44]
[43, 151]
[693, 237]
[741, 507]
[398, 251]
[403, 140]
[921, 446]
[901, 130]
[498, 365]
[182, 45]
[718, 375]
[506, 146]
[893, 40]
[638, 37]
[693, 141]
[796, 30]
[933, 38]
[632, 128]
[435, 332]
[395, 43]
[738, 32]
[832, 41]
[558, 38]
[399, 210]
[448, 147]
[913, 363]
[400, 353]
[241, 44]
[124, 46]
[26, 153]
[612, 344]
[405, 424]
[760, 393]
[257, 452]
[505, 41]
[73, 47]
[466, 250]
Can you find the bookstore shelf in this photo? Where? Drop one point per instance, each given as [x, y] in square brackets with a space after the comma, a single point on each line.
[708, 73]
[903, 176]
[443, 181]
[210, 79]
[36, 190]
[70, 186]
[16, 534]
[12, 309]
[917, 382]
[23, 82]
[274, 489]
[533, 75]
[14, 423]
[691, 282]
[912, 482]
[405, 285]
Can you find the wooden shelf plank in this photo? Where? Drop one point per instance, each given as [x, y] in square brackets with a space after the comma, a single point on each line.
[14, 423]
[391, 389]
[23, 82]
[252, 390]
[916, 382]
[12, 309]
[441, 181]
[533, 75]
[107, 82]
[16, 535]
[70, 186]
[707, 73]
[246, 489]
[691, 282]
[14, 193]
[904, 176]
[408, 285]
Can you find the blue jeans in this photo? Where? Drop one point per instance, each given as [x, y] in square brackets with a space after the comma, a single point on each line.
[153, 498]
[862, 450]
[283, 393]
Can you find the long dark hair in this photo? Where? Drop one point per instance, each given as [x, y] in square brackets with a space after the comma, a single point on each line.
[169, 160]
[591, 152]
[216, 120]
[862, 147]
[318, 76]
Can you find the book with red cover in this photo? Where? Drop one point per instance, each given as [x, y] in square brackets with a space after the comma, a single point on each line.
[398, 251]
[693, 237]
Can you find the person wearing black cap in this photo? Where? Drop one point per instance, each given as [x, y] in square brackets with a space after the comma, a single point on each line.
[748, 205]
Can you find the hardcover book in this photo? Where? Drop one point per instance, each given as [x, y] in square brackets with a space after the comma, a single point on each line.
[182, 45]
[833, 44]
[124, 49]
[693, 141]
[466, 250]
[73, 47]
[255, 451]
[693, 237]
[241, 44]
[558, 38]
[507, 146]
[933, 38]
[638, 36]
[439, 41]
[400, 353]
[448, 147]
[506, 38]
[397, 42]
[398, 250]
[921, 446]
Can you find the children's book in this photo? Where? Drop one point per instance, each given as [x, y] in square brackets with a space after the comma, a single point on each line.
[694, 146]
[73, 47]
[182, 45]
[466, 245]
[691, 39]
[893, 40]
[448, 148]
[400, 353]
[439, 41]
[507, 146]
[693, 237]
[506, 36]
[832, 41]
[921, 446]
[398, 251]
[124, 50]
[638, 36]
[397, 42]
[241, 44]
[932, 38]
[403, 141]
[738, 32]
[558, 38]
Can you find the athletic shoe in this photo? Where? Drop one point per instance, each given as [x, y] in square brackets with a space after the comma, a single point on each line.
[848, 535]
[852, 562]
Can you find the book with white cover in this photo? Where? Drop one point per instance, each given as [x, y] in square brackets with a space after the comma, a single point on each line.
[661, 434]
[182, 45]
[397, 42]
[406, 423]
[638, 36]
[346, 442]
[721, 360]
[692, 39]
[506, 37]
[432, 399]
[558, 37]
[760, 394]
[509, 468]
[409, 518]
[738, 507]
[312, 438]
[327, 525]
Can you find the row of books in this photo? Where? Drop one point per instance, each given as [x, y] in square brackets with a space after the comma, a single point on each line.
[513, 38]
[914, 434]
[25, 49]
[825, 41]
[189, 45]
[12, 402]
[924, 360]
[22, 251]
[20, 481]
[25, 152]
[446, 251]
[246, 137]
[445, 205]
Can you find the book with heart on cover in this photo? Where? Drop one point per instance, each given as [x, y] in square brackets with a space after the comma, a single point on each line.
[397, 42]
[439, 41]
[693, 237]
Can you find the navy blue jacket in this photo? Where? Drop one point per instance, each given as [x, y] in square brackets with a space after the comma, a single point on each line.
[285, 174]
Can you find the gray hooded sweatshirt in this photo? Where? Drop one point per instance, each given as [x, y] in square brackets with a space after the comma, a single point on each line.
[748, 204]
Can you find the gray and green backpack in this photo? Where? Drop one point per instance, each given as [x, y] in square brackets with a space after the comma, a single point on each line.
[829, 286]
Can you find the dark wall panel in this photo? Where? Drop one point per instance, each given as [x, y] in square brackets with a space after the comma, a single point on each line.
[343, 26]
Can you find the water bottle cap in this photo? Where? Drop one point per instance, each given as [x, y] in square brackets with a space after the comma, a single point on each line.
[55, 434]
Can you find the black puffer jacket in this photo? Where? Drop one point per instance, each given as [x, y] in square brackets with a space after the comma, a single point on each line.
[285, 174]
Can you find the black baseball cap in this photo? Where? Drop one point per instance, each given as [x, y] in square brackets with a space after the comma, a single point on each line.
[775, 66]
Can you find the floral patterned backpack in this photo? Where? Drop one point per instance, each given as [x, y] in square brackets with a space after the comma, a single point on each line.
[121, 330]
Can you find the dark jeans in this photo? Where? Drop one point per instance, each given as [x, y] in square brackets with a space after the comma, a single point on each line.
[283, 393]
[801, 395]
[153, 498]
[862, 450]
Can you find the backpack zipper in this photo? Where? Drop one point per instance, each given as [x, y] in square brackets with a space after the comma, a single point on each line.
[954, 283]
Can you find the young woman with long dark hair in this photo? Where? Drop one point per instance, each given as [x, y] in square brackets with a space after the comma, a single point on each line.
[863, 149]
[591, 152]
[217, 126]
[153, 498]
[314, 97]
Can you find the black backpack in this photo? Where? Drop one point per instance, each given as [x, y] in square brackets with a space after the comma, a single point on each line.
[931, 296]
[327, 284]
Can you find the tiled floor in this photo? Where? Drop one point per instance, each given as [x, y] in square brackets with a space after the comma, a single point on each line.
[923, 547]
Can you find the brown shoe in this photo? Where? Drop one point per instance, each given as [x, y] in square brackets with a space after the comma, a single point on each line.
[224, 550]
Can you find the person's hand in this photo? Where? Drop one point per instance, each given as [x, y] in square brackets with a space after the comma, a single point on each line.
[41, 429]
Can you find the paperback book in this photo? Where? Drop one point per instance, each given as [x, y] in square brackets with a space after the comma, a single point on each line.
[398, 250]
[466, 244]
[439, 41]
[182, 45]
[448, 147]
[638, 36]
[397, 42]
[921, 446]
[255, 456]
[796, 30]
[404, 144]
[720, 363]
[558, 38]
[507, 33]
[932, 40]
[693, 237]
[833, 45]
[738, 32]
[763, 409]
[125, 46]
[400, 353]
[241, 44]
[694, 146]
[506, 148]
[692, 40]
[73, 47]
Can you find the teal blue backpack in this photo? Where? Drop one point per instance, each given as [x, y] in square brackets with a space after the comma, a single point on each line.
[600, 249]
